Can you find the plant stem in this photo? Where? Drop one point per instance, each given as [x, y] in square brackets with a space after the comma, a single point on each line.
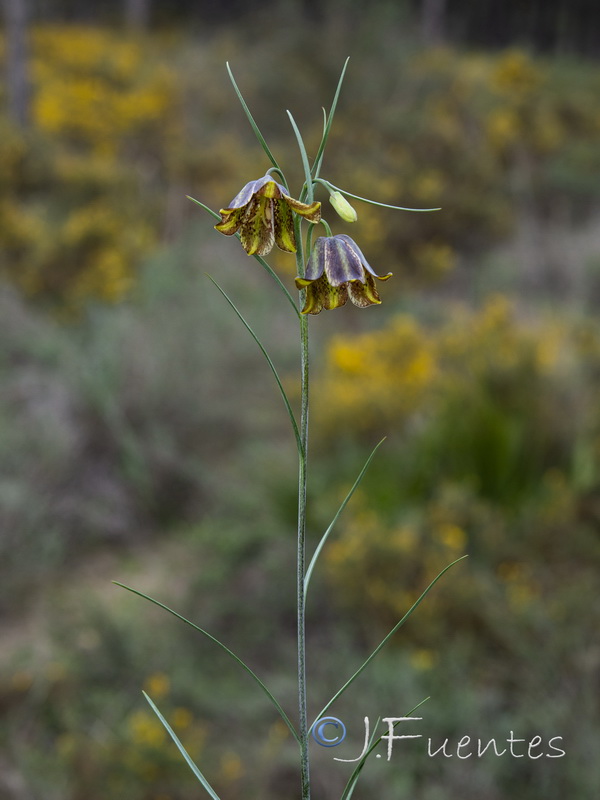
[302, 480]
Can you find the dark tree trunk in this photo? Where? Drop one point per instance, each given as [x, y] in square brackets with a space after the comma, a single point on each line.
[16, 15]
[432, 21]
[137, 14]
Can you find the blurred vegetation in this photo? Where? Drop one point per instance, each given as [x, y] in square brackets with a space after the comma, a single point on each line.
[78, 194]
[106, 429]
[494, 451]
[555, 26]
[141, 438]
[123, 129]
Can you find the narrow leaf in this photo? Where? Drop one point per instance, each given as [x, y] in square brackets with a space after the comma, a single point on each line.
[386, 639]
[353, 780]
[375, 203]
[183, 751]
[270, 363]
[304, 156]
[313, 560]
[206, 208]
[229, 652]
[324, 122]
[260, 259]
[350, 786]
[279, 282]
[318, 157]
[253, 124]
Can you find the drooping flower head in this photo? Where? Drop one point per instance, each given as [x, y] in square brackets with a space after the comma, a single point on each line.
[262, 212]
[336, 270]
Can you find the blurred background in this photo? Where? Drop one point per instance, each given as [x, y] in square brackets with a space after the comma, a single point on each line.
[142, 439]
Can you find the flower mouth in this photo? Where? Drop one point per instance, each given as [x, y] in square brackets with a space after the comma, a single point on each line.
[337, 271]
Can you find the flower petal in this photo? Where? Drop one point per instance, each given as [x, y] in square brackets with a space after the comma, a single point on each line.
[244, 196]
[353, 246]
[341, 262]
[256, 229]
[321, 294]
[267, 187]
[312, 303]
[364, 294]
[315, 264]
[310, 211]
[231, 219]
[284, 226]
[335, 296]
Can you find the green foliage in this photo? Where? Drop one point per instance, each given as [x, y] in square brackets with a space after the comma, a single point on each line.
[77, 722]
[123, 130]
[125, 429]
[494, 451]
[111, 430]
[77, 213]
[493, 420]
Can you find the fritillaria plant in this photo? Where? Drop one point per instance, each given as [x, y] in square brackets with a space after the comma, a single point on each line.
[263, 214]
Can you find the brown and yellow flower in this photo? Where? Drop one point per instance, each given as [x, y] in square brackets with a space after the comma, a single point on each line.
[336, 270]
[262, 212]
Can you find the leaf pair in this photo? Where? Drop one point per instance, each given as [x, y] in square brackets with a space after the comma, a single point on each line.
[354, 777]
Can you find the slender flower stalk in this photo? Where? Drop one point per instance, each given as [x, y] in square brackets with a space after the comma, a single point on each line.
[302, 483]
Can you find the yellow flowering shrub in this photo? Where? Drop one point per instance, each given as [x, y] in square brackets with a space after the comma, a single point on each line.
[123, 122]
[77, 215]
[453, 136]
[386, 378]
[493, 442]
[98, 89]
[139, 754]
[373, 366]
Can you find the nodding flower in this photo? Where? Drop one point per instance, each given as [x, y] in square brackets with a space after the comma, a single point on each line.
[262, 212]
[336, 270]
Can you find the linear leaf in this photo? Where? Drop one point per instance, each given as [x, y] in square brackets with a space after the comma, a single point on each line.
[224, 647]
[183, 751]
[352, 781]
[206, 208]
[270, 363]
[279, 282]
[318, 157]
[375, 203]
[260, 260]
[386, 639]
[325, 536]
[253, 124]
[304, 156]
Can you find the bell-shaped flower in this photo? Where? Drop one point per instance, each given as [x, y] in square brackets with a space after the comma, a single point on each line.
[335, 271]
[262, 212]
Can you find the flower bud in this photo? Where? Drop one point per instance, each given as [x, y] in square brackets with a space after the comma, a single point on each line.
[343, 207]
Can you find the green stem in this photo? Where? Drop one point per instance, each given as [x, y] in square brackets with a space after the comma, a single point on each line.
[302, 476]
